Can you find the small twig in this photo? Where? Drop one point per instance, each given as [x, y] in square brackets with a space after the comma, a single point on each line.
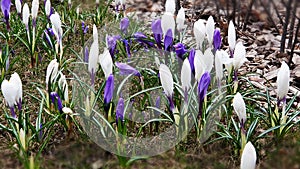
[248, 14]
[285, 26]
[291, 33]
[294, 44]
[233, 12]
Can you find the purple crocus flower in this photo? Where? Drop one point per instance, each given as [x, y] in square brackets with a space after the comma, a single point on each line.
[157, 105]
[157, 32]
[112, 43]
[86, 54]
[120, 110]
[54, 96]
[191, 59]
[127, 47]
[217, 39]
[5, 7]
[180, 50]
[109, 89]
[142, 38]
[84, 28]
[168, 40]
[126, 69]
[202, 89]
[124, 24]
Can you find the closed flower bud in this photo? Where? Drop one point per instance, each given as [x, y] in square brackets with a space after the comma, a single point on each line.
[283, 80]
[240, 108]
[248, 160]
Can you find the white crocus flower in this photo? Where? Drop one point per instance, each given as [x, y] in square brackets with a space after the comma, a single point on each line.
[69, 2]
[48, 7]
[95, 33]
[248, 160]
[231, 36]
[166, 79]
[180, 19]
[186, 75]
[219, 65]
[15, 78]
[18, 6]
[167, 22]
[208, 59]
[63, 86]
[199, 32]
[22, 137]
[239, 55]
[198, 64]
[35, 8]
[240, 107]
[210, 28]
[25, 15]
[170, 6]
[10, 92]
[93, 58]
[106, 62]
[56, 25]
[283, 80]
[52, 71]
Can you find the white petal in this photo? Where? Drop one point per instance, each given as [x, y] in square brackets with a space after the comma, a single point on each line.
[25, 14]
[248, 160]
[106, 62]
[239, 107]
[18, 6]
[22, 138]
[208, 59]
[231, 35]
[199, 32]
[56, 24]
[34, 8]
[93, 57]
[48, 7]
[15, 79]
[283, 80]
[9, 91]
[210, 28]
[186, 75]
[198, 64]
[166, 79]
[52, 71]
[219, 65]
[180, 19]
[95, 33]
[170, 6]
[167, 22]
[239, 55]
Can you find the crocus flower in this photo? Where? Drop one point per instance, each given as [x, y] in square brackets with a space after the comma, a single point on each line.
[240, 108]
[157, 32]
[120, 111]
[111, 43]
[199, 32]
[202, 90]
[25, 15]
[118, 3]
[56, 26]
[12, 92]
[106, 63]
[180, 19]
[93, 61]
[142, 38]
[84, 27]
[5, 7]
[186, 77]
[48, 8]
[18, 6]
[22, 137]
[34, 11]
[180, 50]
[283, 80]
[95, 33]
[126, 69]
[54, 96]
[109, 89]
[170, 6]
[219, 66]
[52, 71]
[127, 47]
[198, 65]
[168, 41]
[248, 160]
[191, 59]
[239, 55]
[231, 37]
[124, 24]
[210, 27]
[48, 39]
[217, 39]
[208, 59]
[63, 86]
[166, 79]
[167, 22]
